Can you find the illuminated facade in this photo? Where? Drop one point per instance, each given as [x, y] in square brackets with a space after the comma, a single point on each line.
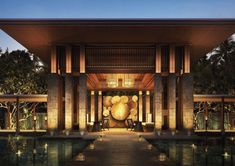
[145, 64]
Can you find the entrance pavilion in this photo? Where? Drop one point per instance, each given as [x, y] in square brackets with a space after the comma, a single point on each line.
[119, 69]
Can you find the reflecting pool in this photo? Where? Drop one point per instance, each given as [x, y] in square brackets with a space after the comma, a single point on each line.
[205, 152]
[27, 151]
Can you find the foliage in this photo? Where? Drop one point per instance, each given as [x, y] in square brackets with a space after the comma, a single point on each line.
[214, 74]
[22, 73]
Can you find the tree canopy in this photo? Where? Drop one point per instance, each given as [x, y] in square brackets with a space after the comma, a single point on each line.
[215, 73]
[21, 73]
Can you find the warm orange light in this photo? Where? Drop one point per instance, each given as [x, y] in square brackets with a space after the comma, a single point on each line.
[172, 60]
[82, 59]
[100, 92]
[187, 59]
[158, 60]
[53, 60]
[68, 60]
[147, 92]
[92, 106]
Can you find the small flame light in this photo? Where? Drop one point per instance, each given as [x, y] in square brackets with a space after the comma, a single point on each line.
[140, 138]
[92, 146]
[82, 133]
[162, 157]
[67, 132]
[226, 155]
[34, 151]
[34, 118]
[193, 146]
[46, 146]
[100, 138]
[18, 153]
[147, 93]
[158, 133]
[149, 146]
[80, 157]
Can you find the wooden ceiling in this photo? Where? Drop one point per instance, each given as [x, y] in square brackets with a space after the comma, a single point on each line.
[141, 81]
[38, 35]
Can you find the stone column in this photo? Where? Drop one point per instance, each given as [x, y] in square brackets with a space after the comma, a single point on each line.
[172, 101]
[187, 100]
[100, 106]
[147, 108]
[69, 101]
[53, 103]
[82, 99]
[140, 107]
[157, 101]
[92, 106]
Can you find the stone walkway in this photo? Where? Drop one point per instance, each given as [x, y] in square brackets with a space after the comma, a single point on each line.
[120, 148]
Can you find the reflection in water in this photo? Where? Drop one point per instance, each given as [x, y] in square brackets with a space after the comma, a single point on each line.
[40, 152]
[207, 152]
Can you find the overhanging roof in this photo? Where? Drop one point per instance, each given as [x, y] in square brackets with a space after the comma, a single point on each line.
[37, 35]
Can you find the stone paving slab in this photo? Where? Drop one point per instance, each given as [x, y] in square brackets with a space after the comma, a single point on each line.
[120, 149]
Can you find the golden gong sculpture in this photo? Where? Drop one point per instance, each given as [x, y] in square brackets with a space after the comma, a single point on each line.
[120, 111]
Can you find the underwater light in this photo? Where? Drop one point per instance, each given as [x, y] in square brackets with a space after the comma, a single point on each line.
[18, 153]
[226, 155]
[92, 146]
[149, 146]
[162, 157]
[193, 146]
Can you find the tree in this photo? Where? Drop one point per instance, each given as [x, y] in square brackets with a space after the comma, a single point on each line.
[21, 73]
[214, 74]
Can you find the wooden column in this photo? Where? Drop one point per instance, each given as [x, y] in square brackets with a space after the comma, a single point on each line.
[147, 107]
[158, 60]
[186, 59]
[17, 116]
[92, 106]
[68, 59]
[34, 117]
[9, 116]
[206, 115]
[82, 59]
[172, 60]
[222, 116]
[53, 60]
[140, 117]
[100, 106]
